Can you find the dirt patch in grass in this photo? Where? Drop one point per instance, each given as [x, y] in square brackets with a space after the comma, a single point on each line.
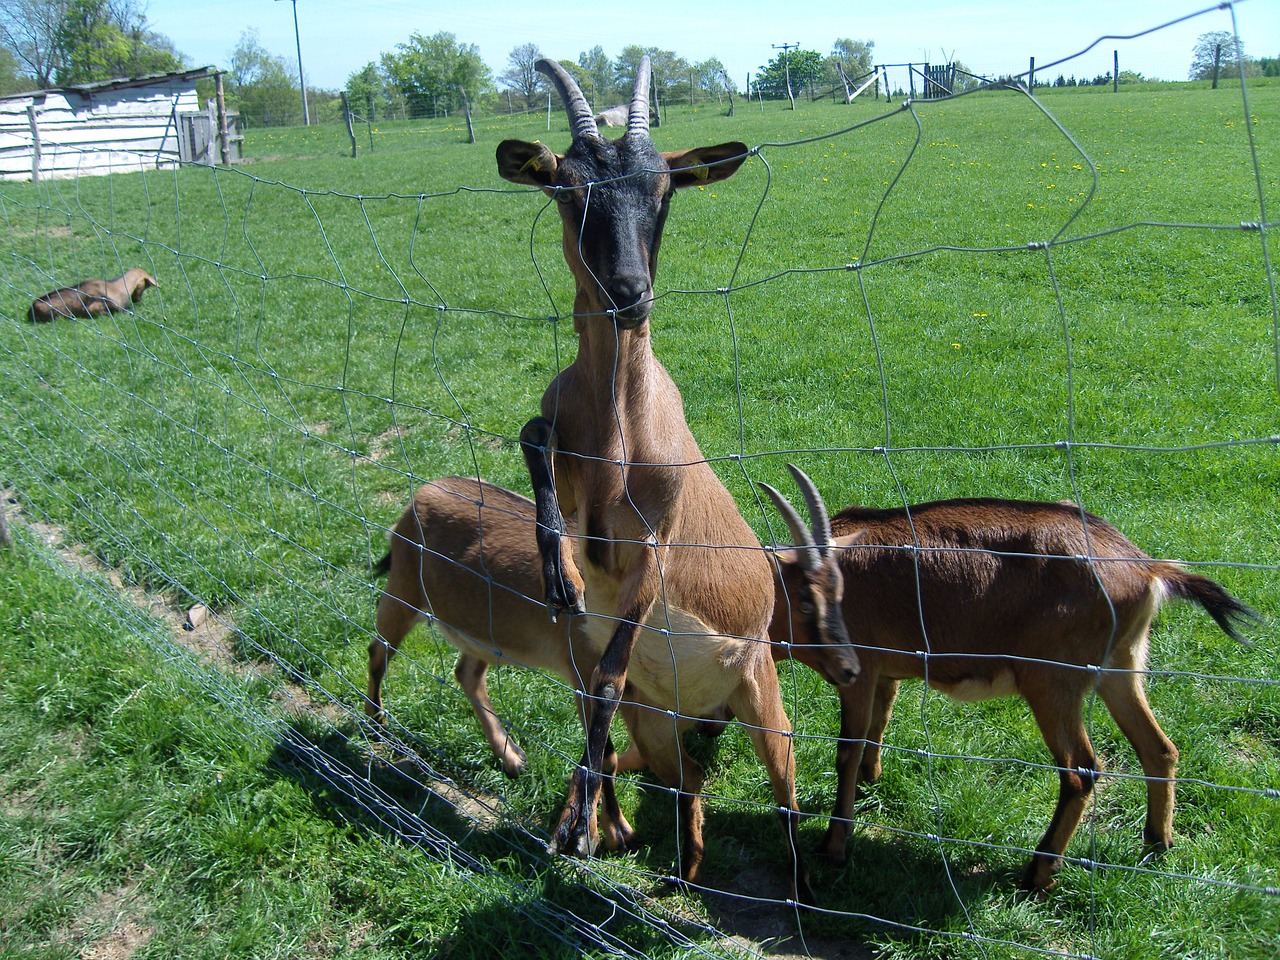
[126, 932]
[60, 232]
[212, 637]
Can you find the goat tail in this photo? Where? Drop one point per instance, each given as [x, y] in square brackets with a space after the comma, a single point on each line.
[1225, 609]
[383, 566]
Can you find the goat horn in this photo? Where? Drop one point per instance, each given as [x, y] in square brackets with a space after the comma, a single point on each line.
[818, 519]
[806, 548]
[638, 120]
[581, 122]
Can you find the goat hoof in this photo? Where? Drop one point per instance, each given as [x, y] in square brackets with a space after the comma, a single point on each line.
[573, 838]
[1039, 878]
[804, 893]
[619, 837]
[512, 767]
[835, 847]
[1154, 849]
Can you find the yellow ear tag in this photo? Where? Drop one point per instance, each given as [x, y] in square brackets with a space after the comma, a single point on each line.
[702, 173]
[534, 163]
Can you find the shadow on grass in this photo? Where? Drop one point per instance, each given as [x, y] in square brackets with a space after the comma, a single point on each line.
[891, 886]
[525, 905]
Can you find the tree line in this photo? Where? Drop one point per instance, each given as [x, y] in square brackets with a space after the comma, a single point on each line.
[436, 76]
[46, 43]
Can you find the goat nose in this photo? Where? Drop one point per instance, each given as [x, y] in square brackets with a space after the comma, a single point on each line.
[849, 671]
[628, 290]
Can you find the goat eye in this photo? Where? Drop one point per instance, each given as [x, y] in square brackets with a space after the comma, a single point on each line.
[564, 196]
[806, 607]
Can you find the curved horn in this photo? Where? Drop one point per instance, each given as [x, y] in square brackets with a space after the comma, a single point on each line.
[818, 518]
[581, 122]
[638, 119]
[806, 548]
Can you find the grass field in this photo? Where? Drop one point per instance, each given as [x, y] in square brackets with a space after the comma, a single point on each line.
[989, 296]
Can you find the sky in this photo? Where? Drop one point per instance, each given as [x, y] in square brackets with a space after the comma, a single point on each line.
[990, 37]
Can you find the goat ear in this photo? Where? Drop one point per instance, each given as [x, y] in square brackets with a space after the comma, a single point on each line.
[703, 165]
[849, 539]
[529, 163]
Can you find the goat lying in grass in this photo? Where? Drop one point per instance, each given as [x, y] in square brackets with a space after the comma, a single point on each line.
[91, 298]
[463, 556]
[991, 598]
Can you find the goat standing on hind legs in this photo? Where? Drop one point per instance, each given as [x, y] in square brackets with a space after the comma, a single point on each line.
[663, 543]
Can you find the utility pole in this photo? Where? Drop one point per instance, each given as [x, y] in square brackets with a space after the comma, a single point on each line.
[786, 66]
[297, 37]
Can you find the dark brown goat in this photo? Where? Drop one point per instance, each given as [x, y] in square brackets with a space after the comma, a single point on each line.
[91, 298]
[990, 598]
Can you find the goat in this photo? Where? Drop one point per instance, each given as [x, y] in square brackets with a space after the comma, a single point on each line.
[613, 117]
[611, 447]
[91, 298]
[463, 556]
[988, 598]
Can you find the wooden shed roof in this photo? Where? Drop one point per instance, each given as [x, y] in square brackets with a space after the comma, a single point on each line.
[120, 83]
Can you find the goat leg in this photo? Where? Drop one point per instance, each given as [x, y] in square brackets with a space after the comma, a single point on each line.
[563, 595]
[578, 830]
[617, 833]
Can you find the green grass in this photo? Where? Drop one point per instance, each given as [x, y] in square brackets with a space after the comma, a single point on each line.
[330, 332]
[156, 807]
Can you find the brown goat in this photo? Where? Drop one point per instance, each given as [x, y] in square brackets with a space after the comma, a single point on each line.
[990, 598]
[91, 298]
[659, 530]
[463, 557]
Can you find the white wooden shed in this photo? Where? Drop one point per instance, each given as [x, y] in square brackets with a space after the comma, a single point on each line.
[111, 126]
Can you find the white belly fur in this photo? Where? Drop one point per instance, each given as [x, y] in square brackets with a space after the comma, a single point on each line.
[679, 663]
[1002, 684]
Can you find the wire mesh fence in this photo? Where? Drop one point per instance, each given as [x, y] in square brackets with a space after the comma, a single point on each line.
[1036, 297]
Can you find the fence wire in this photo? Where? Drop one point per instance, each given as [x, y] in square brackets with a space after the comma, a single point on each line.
[241, 439]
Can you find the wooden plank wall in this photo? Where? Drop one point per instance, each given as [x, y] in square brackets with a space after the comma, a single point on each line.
[114, 131]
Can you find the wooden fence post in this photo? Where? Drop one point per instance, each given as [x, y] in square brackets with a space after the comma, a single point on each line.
[224, 140]
[1115, 71]
[35, 143]
[346, 116]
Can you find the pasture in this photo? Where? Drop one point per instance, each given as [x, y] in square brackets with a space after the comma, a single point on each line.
[994, 296]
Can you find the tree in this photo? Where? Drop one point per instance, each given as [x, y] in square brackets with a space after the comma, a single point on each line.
[12, 80]
[854, 57]
[711, 77]
[670, 72]
[521, 75]
[436, 73]
[369, 89]
[804, 66]
[598, 70]
[79, 41]
[29, 31]
[1232, 55]
[93, 46]
[966, 80]
[261, 84]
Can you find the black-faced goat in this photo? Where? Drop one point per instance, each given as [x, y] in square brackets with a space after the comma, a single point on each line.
[90, 298]
[463, 556]
[990, 598]
[659, 530]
